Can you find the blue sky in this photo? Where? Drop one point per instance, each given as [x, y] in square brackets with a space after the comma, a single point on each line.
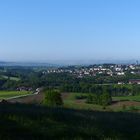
[50, 30]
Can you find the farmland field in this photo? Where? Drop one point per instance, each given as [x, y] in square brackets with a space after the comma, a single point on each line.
[11, 78]
[9, 94]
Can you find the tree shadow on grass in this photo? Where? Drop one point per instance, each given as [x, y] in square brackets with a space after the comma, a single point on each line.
[19, 121]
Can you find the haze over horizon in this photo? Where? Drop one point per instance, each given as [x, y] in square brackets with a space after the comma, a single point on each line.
[52, 30]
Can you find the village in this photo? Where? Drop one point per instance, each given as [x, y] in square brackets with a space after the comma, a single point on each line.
[100, 70]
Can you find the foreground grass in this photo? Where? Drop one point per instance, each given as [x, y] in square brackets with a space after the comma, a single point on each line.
[9, 94]
[40, 123]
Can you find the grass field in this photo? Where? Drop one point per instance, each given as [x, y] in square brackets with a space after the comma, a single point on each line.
[76, 121]
[11, 78]
[129, 98]
[30, 122]
[9, 94]
[70, 101]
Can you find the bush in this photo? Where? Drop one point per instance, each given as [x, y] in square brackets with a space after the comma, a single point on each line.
[124, 107]
[80, 97]
[132, 108]
[89, 99]
[53, 98]
[103, 99]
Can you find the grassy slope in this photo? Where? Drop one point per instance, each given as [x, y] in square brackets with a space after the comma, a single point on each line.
[40, 123]
[9, 94]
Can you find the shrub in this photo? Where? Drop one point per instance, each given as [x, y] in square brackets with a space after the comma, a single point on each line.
[53, 98]
[124, 107]
[81, 97]
[103, 99]
[132, 108]
[89, 99]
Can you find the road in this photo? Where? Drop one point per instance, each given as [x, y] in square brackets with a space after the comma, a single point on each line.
[21, 96]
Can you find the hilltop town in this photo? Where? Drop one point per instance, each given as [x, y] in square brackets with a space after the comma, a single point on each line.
[100, 70]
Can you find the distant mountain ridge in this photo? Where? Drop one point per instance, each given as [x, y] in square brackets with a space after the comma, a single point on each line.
[91, 62]
[59, 63]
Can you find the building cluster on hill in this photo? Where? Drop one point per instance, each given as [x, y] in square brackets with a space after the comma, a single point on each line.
[95, 70]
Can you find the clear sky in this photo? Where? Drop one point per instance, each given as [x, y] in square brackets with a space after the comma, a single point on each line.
[44, 30]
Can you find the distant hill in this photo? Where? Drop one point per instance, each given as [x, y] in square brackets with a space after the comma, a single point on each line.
[66, 63]
[91, 62]
[28, 64]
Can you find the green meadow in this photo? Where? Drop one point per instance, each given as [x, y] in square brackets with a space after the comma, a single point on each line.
[78, 101]
[10, 94]
[129, 98]
[11, 78]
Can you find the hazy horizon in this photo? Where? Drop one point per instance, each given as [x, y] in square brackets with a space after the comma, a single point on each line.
[76, 30]
[67, 62]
